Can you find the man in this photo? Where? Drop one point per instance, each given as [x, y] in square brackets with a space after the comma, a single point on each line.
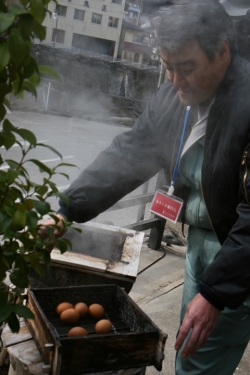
[197, 40]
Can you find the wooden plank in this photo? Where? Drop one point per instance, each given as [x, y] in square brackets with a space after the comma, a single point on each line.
[41, 330]
[9, 338]
[130, 255]
[26, 352]
[128, 266]
[3, 353]
[80, 260]
[92, 272]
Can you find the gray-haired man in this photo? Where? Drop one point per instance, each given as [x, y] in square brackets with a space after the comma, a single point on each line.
[197, 40]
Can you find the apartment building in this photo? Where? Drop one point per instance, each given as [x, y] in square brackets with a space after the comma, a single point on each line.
[87, 25]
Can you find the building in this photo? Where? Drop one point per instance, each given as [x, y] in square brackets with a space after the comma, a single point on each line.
[135, 42]
[86, 25]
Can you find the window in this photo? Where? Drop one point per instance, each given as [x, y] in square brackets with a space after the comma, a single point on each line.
[58, 36]
[61, 10]
[113, 22]
[136, 57]
[79, 14]
[138, 38]
[96, 18]
[117, 1]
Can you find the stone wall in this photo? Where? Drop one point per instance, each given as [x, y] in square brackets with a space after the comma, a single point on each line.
[89, 85]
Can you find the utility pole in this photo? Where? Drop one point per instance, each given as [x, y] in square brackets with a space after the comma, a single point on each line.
[55, 16]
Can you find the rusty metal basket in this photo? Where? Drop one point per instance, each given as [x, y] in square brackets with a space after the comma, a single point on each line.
[135, 341]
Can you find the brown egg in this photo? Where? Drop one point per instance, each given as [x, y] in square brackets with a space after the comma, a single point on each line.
[77, 331]
[63, 306]
[70, 316]
[96, 311]
[103, 326]
[82, 308]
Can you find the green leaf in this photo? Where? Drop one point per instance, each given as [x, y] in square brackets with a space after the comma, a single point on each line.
[24, 2]
[32, 219]
[5, 312]
[30, 88]
[30, 69]
[12, 174]
[17, 9]
[19, 279]
[66, 165]
[12, 163]
[26, 23]
[23, 311]
[47, 70]
[4, 54]
[68, 242]
[41, 207]
[5, 221]
[9, 257]
[6, 20]
[41, 190]
[61, 245]
[18, 48]
[27, 135]
[7, 139]
[37, 10]
[7, 126]
[19, 219]
[13, 323]
[42, 167]
[2, 110]
[39, 30]
[50, 148]
[3, 298]
[34, 79]
[3, 7]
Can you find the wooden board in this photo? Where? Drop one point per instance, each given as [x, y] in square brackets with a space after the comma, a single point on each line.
[124, 269]
[9, 338]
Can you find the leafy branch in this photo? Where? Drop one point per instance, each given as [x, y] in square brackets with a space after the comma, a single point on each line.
[23, 202]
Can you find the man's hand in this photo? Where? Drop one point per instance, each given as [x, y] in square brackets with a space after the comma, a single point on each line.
[59, 231]
[202, 317]
[49, 225]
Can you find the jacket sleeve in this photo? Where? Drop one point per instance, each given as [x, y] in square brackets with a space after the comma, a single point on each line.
[226, 281]
[133, 158]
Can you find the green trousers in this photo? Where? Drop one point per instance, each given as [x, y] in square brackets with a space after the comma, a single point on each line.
[223, 350]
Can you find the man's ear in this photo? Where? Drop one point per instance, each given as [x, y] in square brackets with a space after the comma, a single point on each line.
[224, 51]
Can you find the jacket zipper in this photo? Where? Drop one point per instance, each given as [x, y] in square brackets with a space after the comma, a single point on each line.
[245, 174]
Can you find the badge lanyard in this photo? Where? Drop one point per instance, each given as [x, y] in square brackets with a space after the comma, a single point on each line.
[176, 168]
[165, 204]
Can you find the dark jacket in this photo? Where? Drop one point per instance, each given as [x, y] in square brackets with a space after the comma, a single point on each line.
[152, 144]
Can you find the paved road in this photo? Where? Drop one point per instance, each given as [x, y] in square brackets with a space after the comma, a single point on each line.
[79, 141]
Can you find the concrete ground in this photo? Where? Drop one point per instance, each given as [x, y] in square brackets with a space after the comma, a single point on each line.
[158, 291]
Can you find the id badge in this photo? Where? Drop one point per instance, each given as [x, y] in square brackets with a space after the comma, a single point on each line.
[166, 206]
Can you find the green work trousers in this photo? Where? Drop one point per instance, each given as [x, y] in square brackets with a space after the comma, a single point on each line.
[223, 350]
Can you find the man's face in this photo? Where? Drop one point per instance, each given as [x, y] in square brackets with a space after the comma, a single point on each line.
[195, 76]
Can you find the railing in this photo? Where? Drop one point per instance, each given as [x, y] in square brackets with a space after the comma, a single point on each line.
[156, 224]
[111, 59]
